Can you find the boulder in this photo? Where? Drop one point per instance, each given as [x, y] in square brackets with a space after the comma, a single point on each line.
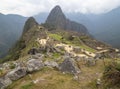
[38, 56]
[90, 61]
[51, 64]
[34, 65]
[16, 73]
[33, 51]
[4, 82]
[69, 66]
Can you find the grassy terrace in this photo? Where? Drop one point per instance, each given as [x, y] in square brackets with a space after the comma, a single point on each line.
[48, 79]
[55, 36]
[75, 42]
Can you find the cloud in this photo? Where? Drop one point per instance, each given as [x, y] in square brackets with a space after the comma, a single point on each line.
[32, 7]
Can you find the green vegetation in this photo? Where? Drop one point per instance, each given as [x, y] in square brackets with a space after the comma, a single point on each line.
[49, 79]
[52, 79]
[111, 76]
[118, 66]
[56, 55]
[56, 36]
[12, 66]
[15, 52]
[27, 86]
[75, 41]
[87, 48]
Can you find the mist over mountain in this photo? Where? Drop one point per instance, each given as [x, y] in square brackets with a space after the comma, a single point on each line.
[10, 30]
[104, 27]
[41, 17]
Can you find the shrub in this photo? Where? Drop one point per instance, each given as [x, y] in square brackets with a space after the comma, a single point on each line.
[111, 76]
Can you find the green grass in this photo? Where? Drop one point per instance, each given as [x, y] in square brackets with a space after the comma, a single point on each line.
[30, 45]
[55, 36]
[12, 66]
[27, 86]
[56, 55]
[87, 48]
[52, 80]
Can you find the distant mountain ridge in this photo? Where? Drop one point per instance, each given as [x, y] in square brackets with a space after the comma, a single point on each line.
[10, 30]
[104, 27]
[59, 20]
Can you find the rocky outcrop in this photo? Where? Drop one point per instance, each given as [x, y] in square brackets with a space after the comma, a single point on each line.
[58, 20]
[90, 61]
[22, 69]
[16, 73]
[34, 65]
[4, 82]
[32, 51]
[29, 24]
[51, 64]
[69, 66]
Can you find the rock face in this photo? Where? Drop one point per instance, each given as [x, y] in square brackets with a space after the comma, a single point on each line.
[57, 19]
[29, 24]
[69, 66]
[51, 64]
[32, 51]
[4, 82]
[90, 61]
[16, 73]
[22, 69]
[34, 65]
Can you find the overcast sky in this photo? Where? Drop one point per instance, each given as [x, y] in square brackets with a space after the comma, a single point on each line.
[33, 7]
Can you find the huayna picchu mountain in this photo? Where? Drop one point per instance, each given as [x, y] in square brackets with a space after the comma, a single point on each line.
[29, 24]
[57, 19]
[59, 59]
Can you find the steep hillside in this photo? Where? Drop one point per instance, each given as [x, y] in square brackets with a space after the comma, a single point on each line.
[32, 31]
[10, 30]
[55, 59]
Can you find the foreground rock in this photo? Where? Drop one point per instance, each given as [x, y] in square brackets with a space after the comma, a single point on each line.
[90, 61]
[4, 82]
[16, 74]
[34, 65]
[51, 64]
[69, 66]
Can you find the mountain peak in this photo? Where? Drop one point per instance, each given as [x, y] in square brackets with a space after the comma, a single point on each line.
[56, 17]
[58, 20]
[57, 8]
[29, 23]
